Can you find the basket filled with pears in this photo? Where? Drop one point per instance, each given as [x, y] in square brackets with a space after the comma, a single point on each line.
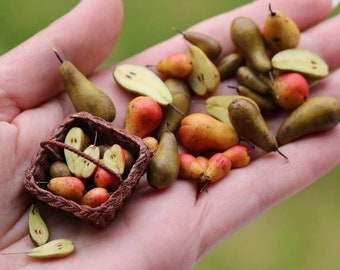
[88, 167]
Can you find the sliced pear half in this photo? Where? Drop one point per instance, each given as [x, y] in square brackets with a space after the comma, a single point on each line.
[141, 80]
[302, 61]
[204, 77]
[217, 106]
[85, 168]
[76, 138]
[114, 158]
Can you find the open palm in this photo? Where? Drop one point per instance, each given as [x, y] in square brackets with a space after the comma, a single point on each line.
[171, 229]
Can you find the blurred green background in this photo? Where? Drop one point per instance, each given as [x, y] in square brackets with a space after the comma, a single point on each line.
[300, 233]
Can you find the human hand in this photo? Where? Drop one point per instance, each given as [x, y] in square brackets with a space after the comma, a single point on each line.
[156, 229]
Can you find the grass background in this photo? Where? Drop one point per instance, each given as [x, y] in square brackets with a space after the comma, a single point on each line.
[300, 233]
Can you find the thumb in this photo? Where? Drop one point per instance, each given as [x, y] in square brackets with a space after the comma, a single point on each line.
[85, 36]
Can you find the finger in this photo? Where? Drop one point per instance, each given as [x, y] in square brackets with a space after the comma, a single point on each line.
[85, 36]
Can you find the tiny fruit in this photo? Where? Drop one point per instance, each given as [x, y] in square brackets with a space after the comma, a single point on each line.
[249, 42]
[265, 102]
[217, 106]
[114, 158]
[228, 65]
[181, 100]
[204, 78]
[95, 197]
[315, 115]
[247, 77]
[59, 168]
[201, 132]
[250, 124]
[238, 155]
[143, 116]
[152, 143]
[141, 80]
[210, 46]
[301, 61]
[129, 161]
[203, 161]
[177, 65]
[290, 90]
[85, 96]
[280, 32]
[163, 167]
[85, 168]
[76, 138]
[189, 167]
[37, 227]
[54, 249]
[102, 178]
[218, 166]
[68, 187]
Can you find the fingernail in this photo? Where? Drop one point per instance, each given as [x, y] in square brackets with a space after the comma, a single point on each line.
[335, 3]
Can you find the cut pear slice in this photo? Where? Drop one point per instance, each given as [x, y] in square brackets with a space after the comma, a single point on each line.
[204, 77]
[85, 168]
[37, 227]
[54, 249]
[141, 80]
[217, 106]
[302, 61]
[114, 158]
[76, 138]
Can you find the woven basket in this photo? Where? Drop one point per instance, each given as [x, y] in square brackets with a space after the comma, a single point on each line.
[53, 150]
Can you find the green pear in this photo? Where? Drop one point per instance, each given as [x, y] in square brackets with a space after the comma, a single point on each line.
[84, 95]
[248, 39]
[163, 168]
[209, 45]
[250, 125]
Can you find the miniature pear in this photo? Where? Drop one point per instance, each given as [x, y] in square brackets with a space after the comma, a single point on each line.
[181, 99]
[317, 114]
[250, 125]
[200, 132]
[249, 42]
[303, 61]
[249, 78]
[204, 79]
[163, 168]
[280, 32]
[217, 106]
[85, 96]
[229, 64]
[209, 45]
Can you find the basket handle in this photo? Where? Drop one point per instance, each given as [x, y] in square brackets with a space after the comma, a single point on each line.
[47, 146]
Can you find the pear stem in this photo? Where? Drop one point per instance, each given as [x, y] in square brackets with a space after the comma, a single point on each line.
[272, 13]
[176, 109]
[283, 155]
[271, 77]
[204, 187]
[58, 55]
[177, 30]
[232, 87]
